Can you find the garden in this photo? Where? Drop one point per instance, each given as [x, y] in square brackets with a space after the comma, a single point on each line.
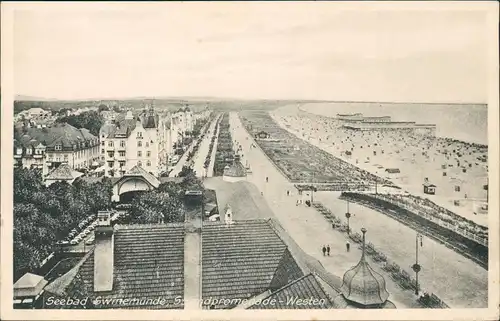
[300, 161]
[224, 154]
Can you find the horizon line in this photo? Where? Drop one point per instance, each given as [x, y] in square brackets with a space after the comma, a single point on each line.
[240, 99]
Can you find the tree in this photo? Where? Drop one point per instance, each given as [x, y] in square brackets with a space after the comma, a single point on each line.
[103, 107]
[185, 171]
[90, 120]
[156, 207]
[43, 215]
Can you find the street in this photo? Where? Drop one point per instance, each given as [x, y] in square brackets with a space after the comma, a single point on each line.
[201, 154]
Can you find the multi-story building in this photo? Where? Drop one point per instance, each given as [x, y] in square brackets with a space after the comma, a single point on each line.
[132, 141]
[49, 147]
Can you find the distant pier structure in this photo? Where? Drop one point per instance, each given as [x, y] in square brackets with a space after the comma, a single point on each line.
[358, 121]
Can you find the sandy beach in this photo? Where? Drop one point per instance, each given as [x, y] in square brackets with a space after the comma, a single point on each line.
[416, 157]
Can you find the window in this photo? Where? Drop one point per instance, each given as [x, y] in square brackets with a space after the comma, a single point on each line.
[102, 151]
[110, 164]
[139, 163]
[139, 154]
[28, 151]
[122, 163]
[122, 143]
[58, 147]
[148, 163]
[110, 144]
[148, 153]
[103, 143]
[147, 144]
[139, 144]
[121, 153]
[139, 134]
[19, 151]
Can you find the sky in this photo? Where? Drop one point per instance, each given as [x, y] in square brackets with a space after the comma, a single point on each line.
[252, 51]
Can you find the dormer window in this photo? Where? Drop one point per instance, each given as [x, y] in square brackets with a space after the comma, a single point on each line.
[139, 134]
[19, 151]
[29, 151]
[58, 147]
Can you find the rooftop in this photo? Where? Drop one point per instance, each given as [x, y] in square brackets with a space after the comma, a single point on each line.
[63, 172]
[148, 263]
[305, 287]
[244, 260]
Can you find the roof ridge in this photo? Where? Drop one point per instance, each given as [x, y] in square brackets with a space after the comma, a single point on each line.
[288, 285]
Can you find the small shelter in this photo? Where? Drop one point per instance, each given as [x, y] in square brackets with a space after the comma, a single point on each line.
[62, 173]
[28, 290]
[262, 135]
[429, 188]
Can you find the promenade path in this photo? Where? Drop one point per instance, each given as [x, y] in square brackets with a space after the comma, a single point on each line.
[210, 169]
[182, 161]
[458, 281]
[305, 225]
[201, 154]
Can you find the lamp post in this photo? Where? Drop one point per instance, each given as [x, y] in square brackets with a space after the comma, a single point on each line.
[416, 267]
[348, 216]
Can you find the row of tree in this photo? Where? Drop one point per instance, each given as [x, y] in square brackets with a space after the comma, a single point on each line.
[90, 120]
[44, 215]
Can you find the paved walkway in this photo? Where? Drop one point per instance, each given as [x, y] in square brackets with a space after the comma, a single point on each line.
[307, 227]
[458, 281]
[210, 169]
[201, 154]
[182, 161]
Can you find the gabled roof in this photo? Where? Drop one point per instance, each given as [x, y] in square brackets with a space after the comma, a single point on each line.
[148, 263]
[29, 285]
[307, 287]
[236, 170]
[29, 280]
[139, 171]
[243, 260]
[427, 184]
[63, 172]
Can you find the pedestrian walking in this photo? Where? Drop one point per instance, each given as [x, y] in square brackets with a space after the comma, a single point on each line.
[328, 250]
[287, 193]
[267, 179]
[324, 250]
[347, 246]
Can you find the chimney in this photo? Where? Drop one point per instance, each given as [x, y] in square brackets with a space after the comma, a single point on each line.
[228, 215]
[103, 253]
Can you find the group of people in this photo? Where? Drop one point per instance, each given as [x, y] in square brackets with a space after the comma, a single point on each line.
[326, 248]
[446, 160]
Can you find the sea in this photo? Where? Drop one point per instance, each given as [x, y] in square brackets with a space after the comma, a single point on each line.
[465, 122]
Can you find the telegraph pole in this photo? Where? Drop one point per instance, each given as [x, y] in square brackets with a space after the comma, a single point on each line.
[416, 267]
[348, 216]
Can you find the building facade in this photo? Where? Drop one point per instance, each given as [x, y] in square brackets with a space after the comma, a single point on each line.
[135, 140]
[47, 148]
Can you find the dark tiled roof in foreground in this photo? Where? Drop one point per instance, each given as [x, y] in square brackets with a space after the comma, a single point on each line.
[148, 263]
[294, 294]
[244, 259]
